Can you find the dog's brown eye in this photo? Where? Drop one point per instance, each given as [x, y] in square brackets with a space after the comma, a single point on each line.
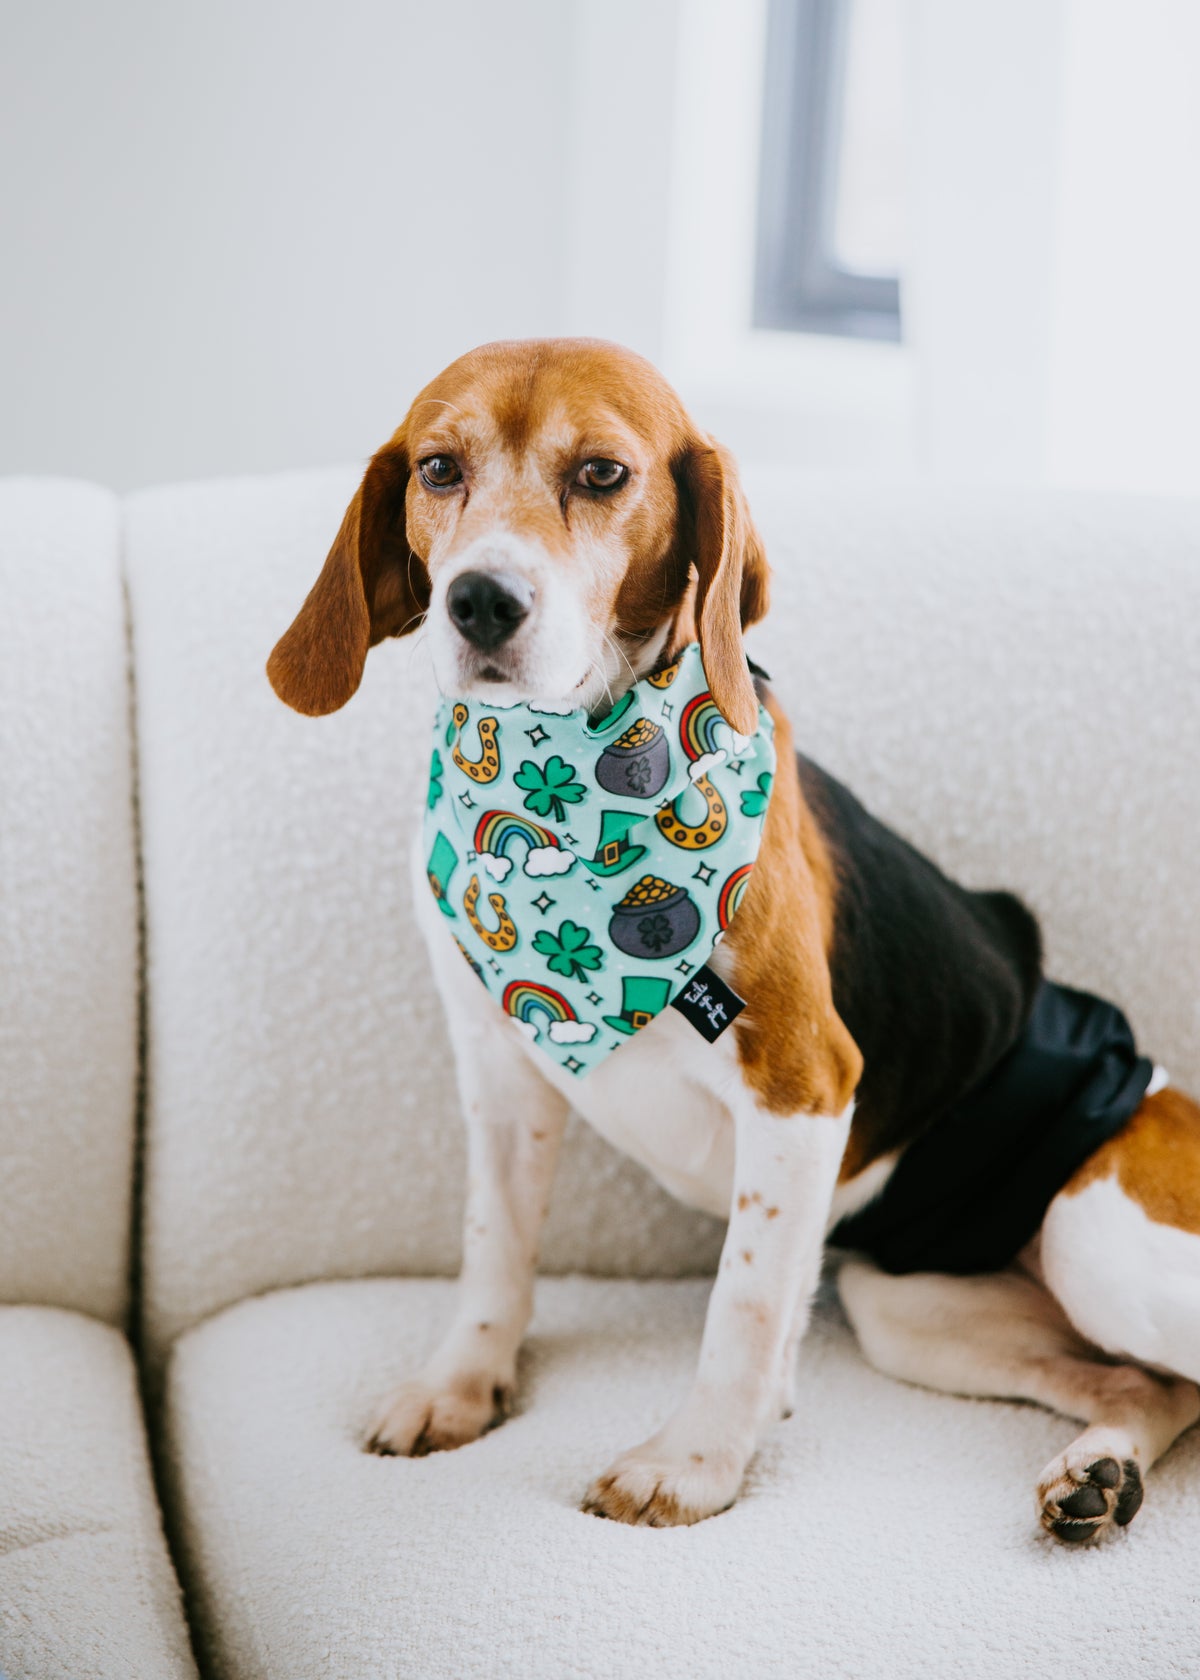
[440, 470]
[601, 475]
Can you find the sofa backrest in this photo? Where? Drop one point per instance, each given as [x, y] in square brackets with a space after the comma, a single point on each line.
[1011, 680]
[68, 902]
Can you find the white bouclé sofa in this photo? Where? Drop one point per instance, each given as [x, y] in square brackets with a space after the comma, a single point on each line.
[231, 1165]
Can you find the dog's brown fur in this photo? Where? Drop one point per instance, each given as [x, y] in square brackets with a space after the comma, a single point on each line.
[1155, 1159]
[792, 1044]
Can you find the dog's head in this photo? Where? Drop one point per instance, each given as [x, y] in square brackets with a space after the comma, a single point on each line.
[550, 513]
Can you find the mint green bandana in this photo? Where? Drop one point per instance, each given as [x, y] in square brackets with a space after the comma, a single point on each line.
[588, 869]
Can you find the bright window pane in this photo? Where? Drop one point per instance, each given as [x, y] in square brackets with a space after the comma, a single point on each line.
[869, 223]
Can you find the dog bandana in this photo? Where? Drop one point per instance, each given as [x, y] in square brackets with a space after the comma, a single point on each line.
[586, 868]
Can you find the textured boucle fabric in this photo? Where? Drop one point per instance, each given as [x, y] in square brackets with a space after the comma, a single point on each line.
[87, 1590]
[68, 910]
[1012, 680]
[884, 1533]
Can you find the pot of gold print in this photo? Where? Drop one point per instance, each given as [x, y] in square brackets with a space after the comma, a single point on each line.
[654, 920]
[637, 763]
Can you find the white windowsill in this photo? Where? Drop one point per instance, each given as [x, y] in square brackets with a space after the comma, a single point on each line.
[805, 399]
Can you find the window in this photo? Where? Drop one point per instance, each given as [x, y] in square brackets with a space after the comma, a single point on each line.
[831, 201]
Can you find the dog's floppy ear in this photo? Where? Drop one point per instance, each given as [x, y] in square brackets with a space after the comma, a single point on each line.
[733, 588]
[371, 586]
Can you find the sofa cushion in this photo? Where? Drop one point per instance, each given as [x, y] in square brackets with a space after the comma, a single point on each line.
[68, 904]
[1012, 679]
[885, 1533]
[86, 1586]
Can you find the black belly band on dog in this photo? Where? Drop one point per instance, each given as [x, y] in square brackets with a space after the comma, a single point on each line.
[970, 1192]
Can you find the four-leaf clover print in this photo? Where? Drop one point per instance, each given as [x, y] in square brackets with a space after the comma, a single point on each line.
[549, 789]
[754, 800]
[656, 932]
[569, 951]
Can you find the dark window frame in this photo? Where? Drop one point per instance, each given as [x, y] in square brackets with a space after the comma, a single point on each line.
[799, 286]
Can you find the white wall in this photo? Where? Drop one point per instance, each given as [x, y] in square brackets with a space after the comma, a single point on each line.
[1053, 295]
[239, 236]
[986, 130]
[1124, 373]
[621, 167]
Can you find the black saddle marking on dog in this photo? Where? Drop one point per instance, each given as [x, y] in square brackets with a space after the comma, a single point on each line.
[995, 1083]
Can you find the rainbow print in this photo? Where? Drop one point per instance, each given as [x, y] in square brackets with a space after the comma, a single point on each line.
[526, 1002]
[525, 998]
[698, 727]
[732, 893]
[496, 831]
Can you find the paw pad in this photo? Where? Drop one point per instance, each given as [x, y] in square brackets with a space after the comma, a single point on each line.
[1090, 1499]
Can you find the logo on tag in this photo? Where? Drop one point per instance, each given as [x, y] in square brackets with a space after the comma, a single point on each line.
[708, 1003]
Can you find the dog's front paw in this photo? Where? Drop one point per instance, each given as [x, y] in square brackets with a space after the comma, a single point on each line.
[425, 1417]
[1087, 1490]
[662, 1489]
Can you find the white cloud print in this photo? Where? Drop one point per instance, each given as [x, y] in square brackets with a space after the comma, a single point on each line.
[572, 1032]
[548, 860]
[496, 866]
[705, 763]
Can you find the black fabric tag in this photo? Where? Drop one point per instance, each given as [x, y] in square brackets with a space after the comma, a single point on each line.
[708, 1003]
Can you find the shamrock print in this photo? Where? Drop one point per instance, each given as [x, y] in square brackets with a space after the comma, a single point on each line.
[638, 773]
[754, 801]
[436, 772]
[549, 790]
[569, 951]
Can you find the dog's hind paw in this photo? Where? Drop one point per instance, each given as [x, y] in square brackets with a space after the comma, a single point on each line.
[1087, 1490]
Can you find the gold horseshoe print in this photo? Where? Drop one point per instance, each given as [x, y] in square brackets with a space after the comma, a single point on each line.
[664, 679]
[486, 767]
[505, 936]
[707, 833]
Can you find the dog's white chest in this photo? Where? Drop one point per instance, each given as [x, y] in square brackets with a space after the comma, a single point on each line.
[650, 1099]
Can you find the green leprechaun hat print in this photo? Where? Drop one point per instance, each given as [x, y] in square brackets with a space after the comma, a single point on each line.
[613, 851]
[443, 861]
[643, 996]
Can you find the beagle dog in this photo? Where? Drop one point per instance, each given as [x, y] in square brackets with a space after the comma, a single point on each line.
[1018, 1191]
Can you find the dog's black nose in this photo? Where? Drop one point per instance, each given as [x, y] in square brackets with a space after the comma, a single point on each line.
[488, 606]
